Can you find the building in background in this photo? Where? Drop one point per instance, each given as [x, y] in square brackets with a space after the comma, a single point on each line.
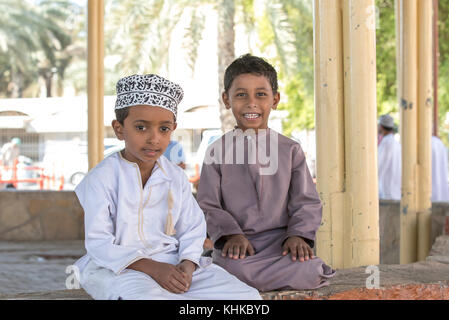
[54, 131]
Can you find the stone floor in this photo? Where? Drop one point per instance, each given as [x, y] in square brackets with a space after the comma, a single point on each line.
[37, 270]
[35, 266]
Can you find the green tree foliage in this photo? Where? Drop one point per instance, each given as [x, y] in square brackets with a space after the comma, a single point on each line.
[57, 41]
[44, 40]
[34, 42]
[193, 37]
[17, 38]
[140, 32]
[443, 69]
[287, 27]
[386, 63]
[386, 58]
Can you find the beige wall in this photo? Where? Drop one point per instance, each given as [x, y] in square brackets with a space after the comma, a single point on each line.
[389, 228]
[40, 215]
[57, 215]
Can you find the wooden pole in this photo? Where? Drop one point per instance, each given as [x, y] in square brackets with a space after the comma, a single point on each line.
[425, 114]
[408, 111]
[435, 67]
[328, 43]
[95, 81]
[345, 102]
[416, 107]
[397, 12]
[362, 200]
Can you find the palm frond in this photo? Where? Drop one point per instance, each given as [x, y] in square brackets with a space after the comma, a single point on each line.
[193, 36]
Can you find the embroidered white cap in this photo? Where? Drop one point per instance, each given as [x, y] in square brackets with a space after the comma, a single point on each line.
[148, 89]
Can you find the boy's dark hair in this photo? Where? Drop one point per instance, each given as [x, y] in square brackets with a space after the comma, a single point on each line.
[121, 114]
[250, 64]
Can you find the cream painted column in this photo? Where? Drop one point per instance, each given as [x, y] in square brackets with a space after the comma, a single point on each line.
[425, 114]
[328, 47]
[362, 200]
[345, 102]
[408, 113]
[416, 105]
[95, 81]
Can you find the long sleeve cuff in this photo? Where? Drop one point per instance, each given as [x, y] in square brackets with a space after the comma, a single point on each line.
[195, 260]
[307, 239]
[127, 264]
[219, 240]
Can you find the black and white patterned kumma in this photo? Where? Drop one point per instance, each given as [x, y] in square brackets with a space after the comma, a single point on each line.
[148, 89]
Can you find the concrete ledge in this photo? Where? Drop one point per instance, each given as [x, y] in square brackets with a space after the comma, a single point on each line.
[389, 227]
[421, 280]
[78, 294]
[57, 215]
[40, 215]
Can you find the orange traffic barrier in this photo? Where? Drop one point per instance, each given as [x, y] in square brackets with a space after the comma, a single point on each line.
[14, 172]
[61, 185]
[43, 180]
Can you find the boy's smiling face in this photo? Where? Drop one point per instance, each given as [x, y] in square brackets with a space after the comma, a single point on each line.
[251, 99]
[146, 132]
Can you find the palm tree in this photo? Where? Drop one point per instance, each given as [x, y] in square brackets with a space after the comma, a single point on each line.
[33, 38]
[226, 54]
[16, 41]
[57, 42]
[227, 11]
[140, 32]
[145, 48]
[288, 25]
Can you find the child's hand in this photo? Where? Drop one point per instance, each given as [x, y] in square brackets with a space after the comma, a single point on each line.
[298, 248]
[171, 278]
[168, 276]
[187, 267]
[236, 247]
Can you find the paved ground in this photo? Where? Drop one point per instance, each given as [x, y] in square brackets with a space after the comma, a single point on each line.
[36, 266]
[36, 270]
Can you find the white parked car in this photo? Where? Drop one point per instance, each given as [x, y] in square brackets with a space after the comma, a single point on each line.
[110, 149]
[76, 177]
[70, 159]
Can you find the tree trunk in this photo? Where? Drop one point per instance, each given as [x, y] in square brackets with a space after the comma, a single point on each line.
[17, 83]
[226, 54]
[47, 75]
[60, 86]
[48, 83]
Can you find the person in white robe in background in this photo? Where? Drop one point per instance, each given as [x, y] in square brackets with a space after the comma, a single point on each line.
[9, 156]
[440, 187]
[389, 161]
[10, 152]
[144, 231]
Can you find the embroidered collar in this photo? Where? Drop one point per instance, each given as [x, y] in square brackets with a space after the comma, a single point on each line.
[158, 175]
